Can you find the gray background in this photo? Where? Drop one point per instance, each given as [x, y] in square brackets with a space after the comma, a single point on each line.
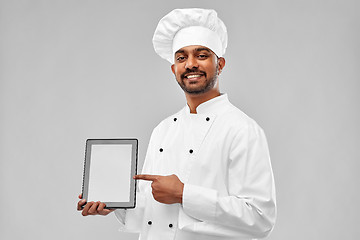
[72, 70]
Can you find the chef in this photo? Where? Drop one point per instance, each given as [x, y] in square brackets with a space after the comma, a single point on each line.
[207, 172]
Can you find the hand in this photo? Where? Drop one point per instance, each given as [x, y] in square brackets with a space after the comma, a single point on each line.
[93, 208]
[165, 189]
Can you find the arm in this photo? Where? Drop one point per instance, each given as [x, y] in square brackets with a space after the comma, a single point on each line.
[249, 209]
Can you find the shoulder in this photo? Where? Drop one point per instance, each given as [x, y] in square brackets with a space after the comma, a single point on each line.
[242, 129]
[237, 120]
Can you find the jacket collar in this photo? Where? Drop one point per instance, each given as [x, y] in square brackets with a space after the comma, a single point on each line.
[211, 106]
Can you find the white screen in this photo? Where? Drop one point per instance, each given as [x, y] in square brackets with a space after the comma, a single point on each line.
[110, 169]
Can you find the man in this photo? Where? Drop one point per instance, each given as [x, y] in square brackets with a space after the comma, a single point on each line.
[207, 172]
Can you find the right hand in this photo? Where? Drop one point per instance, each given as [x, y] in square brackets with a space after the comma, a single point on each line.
[92, 208]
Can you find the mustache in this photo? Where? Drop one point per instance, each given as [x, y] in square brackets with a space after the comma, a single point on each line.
[192, 71]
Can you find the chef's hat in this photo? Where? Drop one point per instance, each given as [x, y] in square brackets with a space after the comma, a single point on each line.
[186, 27]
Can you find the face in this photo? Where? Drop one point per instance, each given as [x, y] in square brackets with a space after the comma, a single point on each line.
[196, 69]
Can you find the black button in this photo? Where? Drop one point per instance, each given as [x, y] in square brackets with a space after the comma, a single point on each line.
[207, 119]
[191, 151]
[149, 222]
[175, 119]
[161, 149]
[170, 225]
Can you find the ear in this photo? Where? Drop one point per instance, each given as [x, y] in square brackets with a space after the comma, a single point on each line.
[173, 68]
[221, 64]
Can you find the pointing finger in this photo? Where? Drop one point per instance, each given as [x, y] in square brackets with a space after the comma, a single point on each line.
[146, 177]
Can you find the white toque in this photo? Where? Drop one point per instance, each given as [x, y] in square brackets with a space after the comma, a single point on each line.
[186, 27]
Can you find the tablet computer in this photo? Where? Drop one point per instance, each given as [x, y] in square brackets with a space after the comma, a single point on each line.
[109, 167]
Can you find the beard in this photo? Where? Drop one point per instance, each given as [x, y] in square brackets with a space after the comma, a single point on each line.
[208, 84]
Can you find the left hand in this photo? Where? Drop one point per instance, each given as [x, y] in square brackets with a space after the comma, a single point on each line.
[92, 208]
[165, 189]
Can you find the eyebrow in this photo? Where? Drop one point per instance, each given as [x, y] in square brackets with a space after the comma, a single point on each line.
[179, 51]
[195, 50]
[202, 49]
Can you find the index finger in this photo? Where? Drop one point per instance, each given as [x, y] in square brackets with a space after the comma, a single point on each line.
[146, 177]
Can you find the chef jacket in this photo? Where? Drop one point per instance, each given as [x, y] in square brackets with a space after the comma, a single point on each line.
[221, 155]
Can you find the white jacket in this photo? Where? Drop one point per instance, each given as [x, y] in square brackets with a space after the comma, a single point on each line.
[221, 156]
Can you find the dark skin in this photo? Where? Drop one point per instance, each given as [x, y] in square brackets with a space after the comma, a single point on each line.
[196, 69]
[92, 208]
[200, 60]
[165, 189]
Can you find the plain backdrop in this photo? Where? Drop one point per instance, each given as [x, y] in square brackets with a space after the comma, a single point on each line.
[77, 69]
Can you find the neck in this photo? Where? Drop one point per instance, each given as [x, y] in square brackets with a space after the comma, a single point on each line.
[194, 100]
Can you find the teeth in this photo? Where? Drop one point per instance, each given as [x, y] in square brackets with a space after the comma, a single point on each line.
[193, 76]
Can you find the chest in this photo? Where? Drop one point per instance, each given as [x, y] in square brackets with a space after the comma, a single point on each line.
[194, 146]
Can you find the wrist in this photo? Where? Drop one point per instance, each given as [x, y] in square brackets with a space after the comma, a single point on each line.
[180, 194]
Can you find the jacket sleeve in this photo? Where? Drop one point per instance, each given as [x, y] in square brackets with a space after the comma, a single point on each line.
[130, 219]
[249, 209]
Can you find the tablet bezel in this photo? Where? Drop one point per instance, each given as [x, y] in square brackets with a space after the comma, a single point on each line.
[87, 166]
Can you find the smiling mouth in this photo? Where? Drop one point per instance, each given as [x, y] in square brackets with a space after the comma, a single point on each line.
[193, 76]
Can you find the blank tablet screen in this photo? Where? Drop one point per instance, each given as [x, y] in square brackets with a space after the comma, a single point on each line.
[110, 165]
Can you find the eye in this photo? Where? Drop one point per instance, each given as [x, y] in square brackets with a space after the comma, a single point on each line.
[202, 56]
[180, 58]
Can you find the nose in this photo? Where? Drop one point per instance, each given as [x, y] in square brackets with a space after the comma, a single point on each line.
[191, 62]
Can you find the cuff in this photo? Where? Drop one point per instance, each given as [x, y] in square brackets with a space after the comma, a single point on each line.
[130, 219]
[120, 215]
[199, 202]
